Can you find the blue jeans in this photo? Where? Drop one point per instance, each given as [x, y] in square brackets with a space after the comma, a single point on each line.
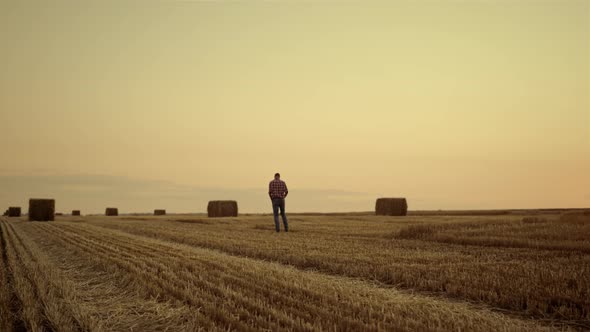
[279, 203]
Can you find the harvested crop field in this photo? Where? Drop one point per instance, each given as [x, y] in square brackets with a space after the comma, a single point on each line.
[357, 272]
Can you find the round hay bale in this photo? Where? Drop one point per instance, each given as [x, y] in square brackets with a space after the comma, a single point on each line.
[159, 212]
[216, 209]
[577, 216]
[111, 212]
[391, 207]
[41, 209]
[14, 211]
[76, 212]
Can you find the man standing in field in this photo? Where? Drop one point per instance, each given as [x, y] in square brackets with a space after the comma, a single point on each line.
[277, 190]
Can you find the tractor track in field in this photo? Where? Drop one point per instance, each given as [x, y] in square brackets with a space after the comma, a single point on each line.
[104, 292]
[149, 268]
[565, 323]
[506, 278]
[26, 254]
[169, 268]
[15, 304]
[238, 287]
[59, 298]
[105, 279]
[45, 324]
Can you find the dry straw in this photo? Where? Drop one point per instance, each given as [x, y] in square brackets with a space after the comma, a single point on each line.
[222, 209]
[111, 212]
[391, 207]
[41, 209]
[576, 216]
[534, 220]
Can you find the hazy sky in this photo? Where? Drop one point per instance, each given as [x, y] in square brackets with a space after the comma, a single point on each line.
[453, 104]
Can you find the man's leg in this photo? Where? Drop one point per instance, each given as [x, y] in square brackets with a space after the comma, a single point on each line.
[275, 211]
[284, 215]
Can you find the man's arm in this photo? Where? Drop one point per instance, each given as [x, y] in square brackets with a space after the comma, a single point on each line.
[286, 190]
[270, 190]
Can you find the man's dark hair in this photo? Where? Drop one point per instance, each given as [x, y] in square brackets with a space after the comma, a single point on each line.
[277, 174]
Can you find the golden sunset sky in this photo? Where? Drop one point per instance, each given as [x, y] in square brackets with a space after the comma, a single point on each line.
[167, 104]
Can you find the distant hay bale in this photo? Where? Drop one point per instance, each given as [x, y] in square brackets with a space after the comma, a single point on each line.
[59, 214]
[222, 209]
[391, 207]
[576, 216]
[5, 213]
[112, 212]
[76, 212]
[14, 211]
[41, 209]
[159, 212]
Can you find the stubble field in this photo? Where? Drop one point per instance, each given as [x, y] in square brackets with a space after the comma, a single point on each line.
[345, 272]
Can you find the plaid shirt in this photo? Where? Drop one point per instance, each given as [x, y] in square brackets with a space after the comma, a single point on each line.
[277, 189]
